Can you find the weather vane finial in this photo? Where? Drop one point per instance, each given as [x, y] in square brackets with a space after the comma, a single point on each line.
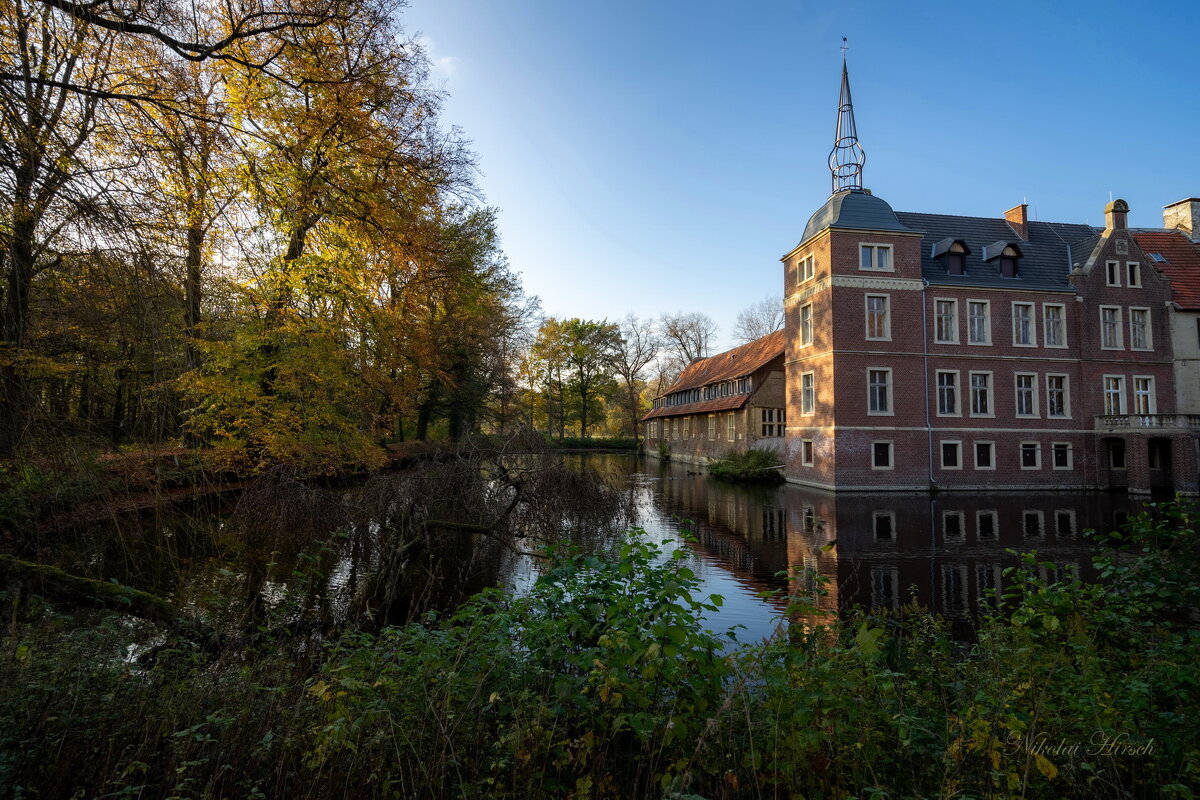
[847, 158]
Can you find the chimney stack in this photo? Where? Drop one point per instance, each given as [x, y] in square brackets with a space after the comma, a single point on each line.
[1184, 215]
[1116, 215]
[1018, 218]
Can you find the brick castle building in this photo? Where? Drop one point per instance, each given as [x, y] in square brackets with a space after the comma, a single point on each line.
[931, 351]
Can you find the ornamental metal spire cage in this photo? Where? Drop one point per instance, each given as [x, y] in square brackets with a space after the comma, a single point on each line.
[847, 157]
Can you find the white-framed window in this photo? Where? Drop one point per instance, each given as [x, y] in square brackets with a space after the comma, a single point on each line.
[979, 322]
[731, 425]
[649, 430]
[675, 429]
[986, 526]
[1140, 337]
[1114, 394]
[1143, 395]
[808, 393]
[981, 394]
[1133, 274]
[953, 526]
[1026, 394]
[985, 455]
[712, 427]
[945, 321]
[773, 422]
[805, 269]
[1032, 524]
[877, 257]
[1024, 331]
[881, 454]
[1054, 325]
[883, 525]
[1061, 456]
[1064, 523]
[1058, 396]
[951, 454]
[1112, 273]
[687, 427]
[806, 452]
[879, 317]
[1031, 455]
[806, 325]
[1110, 328]
[947, 393]
[879, 391]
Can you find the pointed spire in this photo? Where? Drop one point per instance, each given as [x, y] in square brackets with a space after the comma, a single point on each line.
[847, 157]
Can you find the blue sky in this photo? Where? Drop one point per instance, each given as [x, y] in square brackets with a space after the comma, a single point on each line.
[653, 157]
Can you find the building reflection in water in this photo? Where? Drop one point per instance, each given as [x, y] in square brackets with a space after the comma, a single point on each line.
[879, 550]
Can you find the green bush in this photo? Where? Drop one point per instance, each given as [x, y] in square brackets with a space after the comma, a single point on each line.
[751, 465]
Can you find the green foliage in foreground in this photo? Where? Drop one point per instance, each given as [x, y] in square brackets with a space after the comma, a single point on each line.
[751, 465]
[603, 682]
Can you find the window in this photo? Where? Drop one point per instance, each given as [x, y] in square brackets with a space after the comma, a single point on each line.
[1060, 453]
[1057, 401]
[875, 257]
[806, 325]
[945, 321]
[954, 588]
[1116, 454]
[1031, 524]
[687, 427]
[1008, 262]
[956, 259]
[883, 525]
[806, 452]
[712, 427]
[979, 323]
[805, 269]
[879, 317]
[731, 425]
[947, 394]
[1112, 273]
[649, 430]
[1139, 329]
[1023, 333]
[1114, 394]
[1054, 331]
[879, 391]
[1064, 523]
[952, 526]
[1031, 455]
[987, 578]
[674, 429]
[772, 422]
[885, 587]
[981, 394]
[1133, 273]
[985, 455]
[1110, 327]
[985, 524]
[951, 454]
[1143, 395]
[808, 393]
[881, 455]
[1026, 388]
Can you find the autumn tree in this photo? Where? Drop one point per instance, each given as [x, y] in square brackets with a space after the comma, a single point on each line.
[637, 346]
[590, 348]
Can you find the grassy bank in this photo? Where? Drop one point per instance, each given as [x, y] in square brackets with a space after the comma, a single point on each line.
[603, 682]
[752, 466]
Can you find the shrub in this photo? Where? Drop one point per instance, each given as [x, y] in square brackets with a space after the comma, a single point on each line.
[751, 465]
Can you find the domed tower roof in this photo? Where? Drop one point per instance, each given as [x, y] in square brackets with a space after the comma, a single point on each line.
[854, 209]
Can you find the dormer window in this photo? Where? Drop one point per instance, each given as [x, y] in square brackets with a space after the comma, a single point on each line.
[1007, 254]
[953, 255]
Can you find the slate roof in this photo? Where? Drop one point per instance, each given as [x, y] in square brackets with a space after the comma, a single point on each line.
[731, 364]
[1182, 265]
[1044, 262]
[855, 209]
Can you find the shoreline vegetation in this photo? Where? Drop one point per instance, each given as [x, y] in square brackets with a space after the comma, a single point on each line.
[603, 682]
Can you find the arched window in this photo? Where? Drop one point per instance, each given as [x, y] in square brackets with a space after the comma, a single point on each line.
[952, 253]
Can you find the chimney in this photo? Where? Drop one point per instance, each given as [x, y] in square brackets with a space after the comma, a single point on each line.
[1018, 217]
[1116, 215]
[1184, 215]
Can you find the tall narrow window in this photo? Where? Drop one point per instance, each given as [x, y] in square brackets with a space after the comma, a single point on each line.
[806, 324]
[1055, 330]
[731, 425]
[1112, 273]
[1133, 271]
[875, 257]
[981, 394]
[1139, 329]
[1143, 395]
[1114, 394]
[1026, 388]
[947, 393]
[1056, 396]
[808, 395]
[979, 324]
[1110, 327]
[945, 315]
[879, 391]
[1061, 455]
[804, 269]
[879, 323]
[1023, 332]
[712, 427]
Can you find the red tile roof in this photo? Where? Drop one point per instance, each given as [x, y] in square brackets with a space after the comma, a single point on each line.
[719, 404]
[1182, 266]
